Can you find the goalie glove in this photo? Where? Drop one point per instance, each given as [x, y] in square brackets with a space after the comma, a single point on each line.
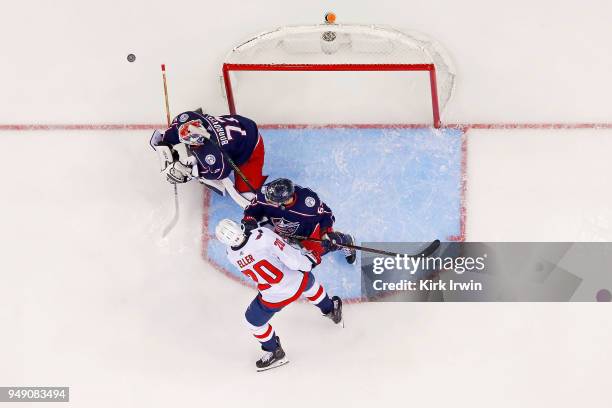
[165, 153]
[177, 173]
[156, 139]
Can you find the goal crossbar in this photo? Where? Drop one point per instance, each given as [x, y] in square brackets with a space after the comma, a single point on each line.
[228, 67]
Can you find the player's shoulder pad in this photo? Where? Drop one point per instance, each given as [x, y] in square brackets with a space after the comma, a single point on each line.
[207, 154]
[307, 197]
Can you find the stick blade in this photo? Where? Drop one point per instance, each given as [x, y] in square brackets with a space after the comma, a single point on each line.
[170, 226]
[175, 217]
[431, 248]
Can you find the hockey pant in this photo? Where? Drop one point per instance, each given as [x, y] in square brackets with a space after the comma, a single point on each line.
[252, 169]
[258, 315]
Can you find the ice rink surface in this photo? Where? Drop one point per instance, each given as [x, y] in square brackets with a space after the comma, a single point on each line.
[551, 183]
[93, 298]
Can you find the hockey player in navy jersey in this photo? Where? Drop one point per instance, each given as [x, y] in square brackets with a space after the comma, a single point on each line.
[205, 136]
[282, 274]
[295, 210]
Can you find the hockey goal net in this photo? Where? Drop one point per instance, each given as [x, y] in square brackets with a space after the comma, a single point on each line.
[339, 73]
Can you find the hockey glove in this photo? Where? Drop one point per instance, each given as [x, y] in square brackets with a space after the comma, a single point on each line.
[331, 239]
[314, 258]
[249, 224]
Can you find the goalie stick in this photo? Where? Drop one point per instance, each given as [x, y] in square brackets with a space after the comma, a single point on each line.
[427, 251]
[175, 216]
[172, 223]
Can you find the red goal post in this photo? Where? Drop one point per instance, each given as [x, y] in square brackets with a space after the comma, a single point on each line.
[348, 48]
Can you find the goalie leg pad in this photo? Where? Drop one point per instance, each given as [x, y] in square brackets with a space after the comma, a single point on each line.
[164, 154]
[215, 185]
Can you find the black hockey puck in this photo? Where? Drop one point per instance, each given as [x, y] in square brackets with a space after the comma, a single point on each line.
[131, 57]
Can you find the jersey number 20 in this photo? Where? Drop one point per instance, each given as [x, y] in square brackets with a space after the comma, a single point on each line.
[264, 271]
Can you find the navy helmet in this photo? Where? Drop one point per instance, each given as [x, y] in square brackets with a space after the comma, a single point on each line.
[279, 191]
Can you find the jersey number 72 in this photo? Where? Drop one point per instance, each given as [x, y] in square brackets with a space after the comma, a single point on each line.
[229, 128]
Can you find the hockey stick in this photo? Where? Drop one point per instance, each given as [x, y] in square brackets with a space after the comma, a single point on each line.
[175, 217]
[428, 250]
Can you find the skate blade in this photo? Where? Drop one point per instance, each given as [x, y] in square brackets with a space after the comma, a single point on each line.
[275, 365]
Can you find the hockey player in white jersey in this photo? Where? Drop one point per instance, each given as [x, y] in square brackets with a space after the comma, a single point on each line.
[282, 274]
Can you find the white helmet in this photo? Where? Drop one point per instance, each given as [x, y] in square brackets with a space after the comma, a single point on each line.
[229, 233]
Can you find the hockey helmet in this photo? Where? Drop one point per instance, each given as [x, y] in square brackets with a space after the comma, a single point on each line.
[229, 233]
[279, 191]
[192, 128]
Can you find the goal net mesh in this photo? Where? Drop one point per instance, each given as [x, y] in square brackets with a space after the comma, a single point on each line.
[380, 94]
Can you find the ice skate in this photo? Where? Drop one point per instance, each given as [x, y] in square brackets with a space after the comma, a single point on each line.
[272, 359]
[336, 313]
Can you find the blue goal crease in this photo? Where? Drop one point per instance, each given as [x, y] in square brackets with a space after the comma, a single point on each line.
[383, 185]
